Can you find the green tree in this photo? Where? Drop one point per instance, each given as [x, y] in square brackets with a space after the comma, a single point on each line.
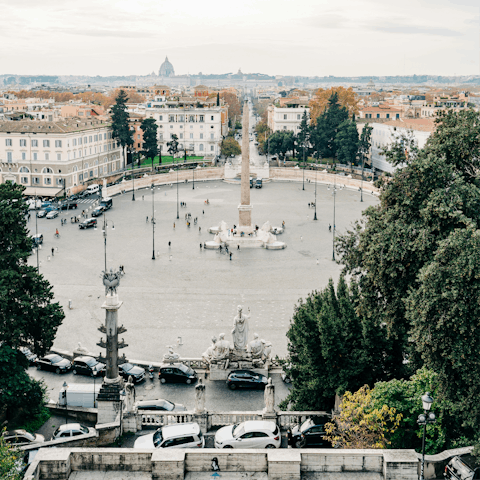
[9, 461]
[360, 423]
[150, 146]
[346, 142]
[120, 122]
[365, 142]
[331, 349]
[229, 147]
[303, 136]
[281, 142]
[28, 316]
[263, 132]
[173, 145]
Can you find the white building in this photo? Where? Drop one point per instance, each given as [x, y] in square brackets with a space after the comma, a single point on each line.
[199, 130]
[286, 118]
[384, 134]
[47, 157]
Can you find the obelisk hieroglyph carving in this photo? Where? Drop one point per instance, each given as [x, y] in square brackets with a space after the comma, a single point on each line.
[245, 208]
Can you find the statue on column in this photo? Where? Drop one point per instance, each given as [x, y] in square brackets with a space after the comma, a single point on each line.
[240, 330]
[269, 397]
[200, 397]
[130, 395]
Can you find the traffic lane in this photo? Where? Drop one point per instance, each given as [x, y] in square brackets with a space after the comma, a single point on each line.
[218, 397]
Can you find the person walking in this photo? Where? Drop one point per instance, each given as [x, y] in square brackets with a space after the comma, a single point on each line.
[199, 229]
[146, 219]
[53, 251]
[201, 246]
[174, 225]
[230, 256]
[238, 247]
[28, 217]
[169, 244]
[329, 228]
[203, 212]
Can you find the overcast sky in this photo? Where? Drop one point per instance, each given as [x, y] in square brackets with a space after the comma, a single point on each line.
[283, 37]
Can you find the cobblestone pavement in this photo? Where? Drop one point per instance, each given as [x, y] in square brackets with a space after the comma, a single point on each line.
[188, 292]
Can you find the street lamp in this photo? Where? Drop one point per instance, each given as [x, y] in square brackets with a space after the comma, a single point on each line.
[303, 188]
[153, 221]
[361, 184]
[176, 163]
[133, 173]
[65, 386]
[427, 417]
[334, 195]
[104, 231]
[316, 171]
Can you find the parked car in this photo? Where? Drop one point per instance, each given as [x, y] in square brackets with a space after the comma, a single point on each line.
[106, 202]
[160, 404]
[20, 438]
[249, 434]
[309, 434]
[71, 430]
[51, 208]
[41, 213]
[89, 222]
[69, 206]
[52, 214]
[37, 240]
[98, 211]
[31, 357]
[457, 469]
[181, 435]
[127, 369]
[246, 379]
[55, 363]
[46, 204]
[88, 366]
[177, 373]
[72, 198]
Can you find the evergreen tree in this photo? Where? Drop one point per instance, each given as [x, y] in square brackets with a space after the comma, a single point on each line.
[303, 136]
[150, 145]
[364, 142]
[173, 145]
[282, 142]
[120, 122]
[346, 142]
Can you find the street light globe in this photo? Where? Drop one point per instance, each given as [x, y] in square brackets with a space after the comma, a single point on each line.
[427, 401]
[65, 385]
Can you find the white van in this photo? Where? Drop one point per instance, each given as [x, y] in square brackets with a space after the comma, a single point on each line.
[80, 395]
[93, 188]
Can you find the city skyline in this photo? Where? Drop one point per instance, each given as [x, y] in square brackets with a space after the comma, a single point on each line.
[271, 37]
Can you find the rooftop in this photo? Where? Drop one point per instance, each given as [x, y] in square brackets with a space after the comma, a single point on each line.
[60, 126]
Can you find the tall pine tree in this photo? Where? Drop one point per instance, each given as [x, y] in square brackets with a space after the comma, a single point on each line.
[120, 122]
[150, 146]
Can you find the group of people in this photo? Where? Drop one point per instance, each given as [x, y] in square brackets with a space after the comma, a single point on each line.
[311, 205]
[183, 204]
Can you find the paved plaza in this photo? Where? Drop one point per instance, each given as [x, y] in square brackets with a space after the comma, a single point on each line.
[188, 292]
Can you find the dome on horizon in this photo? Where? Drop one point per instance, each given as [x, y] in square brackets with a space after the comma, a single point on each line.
[166, 69]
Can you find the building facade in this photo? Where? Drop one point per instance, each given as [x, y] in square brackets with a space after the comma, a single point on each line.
[286, 118]
[48, 157]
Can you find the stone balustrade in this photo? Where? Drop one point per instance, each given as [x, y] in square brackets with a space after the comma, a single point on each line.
[156, 419]
[220, 419]
[286, 419]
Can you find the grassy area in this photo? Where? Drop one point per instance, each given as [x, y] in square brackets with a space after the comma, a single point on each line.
[166, 159]
[34, 424]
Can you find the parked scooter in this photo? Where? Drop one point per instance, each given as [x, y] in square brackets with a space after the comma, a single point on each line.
[150, 372]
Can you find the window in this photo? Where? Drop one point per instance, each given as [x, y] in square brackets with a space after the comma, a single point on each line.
[24, 179]
[191, 118]
[212, 118]
[91, 173]
[212, 136]
[284, 127]
[202, 118]
[181, 135]
[171, 118]
[47, 156]
[388, 115]
[138, 136]
[96, 138]
[397, 115]
[23, 142]
[104, 136]
[90, 139]
[201, 136]
[24, 170]
[160, 118]
[191, 136]
[58, 143]
[34, 143]
[59, 156]
[285, 116]
[80, 177]
[47, 181]
[9, 157]
[46, 144]
[36, 180]
[212, 148]
[181, 118]
[201, 147]
[24, 156]
[378, 115]
[80, 141]
[84, 140]
[35, 155]
[8, 142]
[59, 181]
[298, 117]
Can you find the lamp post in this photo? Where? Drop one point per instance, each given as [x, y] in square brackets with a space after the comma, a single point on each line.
[65, 386]
[316, 171]
[104, 231]
[133, 173]
[427, 417]
[153, 221]
[303, 188]
[193, 187]
[361, 183]
[334, 195]
[176, 163]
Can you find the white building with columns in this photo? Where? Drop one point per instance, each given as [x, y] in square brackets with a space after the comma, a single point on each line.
[286, 118]
[47, 157]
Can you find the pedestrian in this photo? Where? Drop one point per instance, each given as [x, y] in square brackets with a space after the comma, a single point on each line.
[143, 197]
[174, 225]
[200, 246]
[308, 205]
[28, 217]
[203, 212]
[169, 244]
[238, 247]
[230, 255]
[226, 249]
[147, 219]
[53, 250]
[220, 249]
[329, 228]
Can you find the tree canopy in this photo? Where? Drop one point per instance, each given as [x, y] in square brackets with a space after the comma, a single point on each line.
[150, 145]
[230, 146]
[120, 121]
[346, 98]
[281, 142]
[347, 142]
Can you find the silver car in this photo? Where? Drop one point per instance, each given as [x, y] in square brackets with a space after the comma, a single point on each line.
[160, 404]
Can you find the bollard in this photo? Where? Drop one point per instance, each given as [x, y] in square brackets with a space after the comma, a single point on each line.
[70, 306]
[56, 249]
[48, 257]
[179, 341]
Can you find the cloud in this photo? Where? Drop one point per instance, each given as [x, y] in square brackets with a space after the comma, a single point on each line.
[473, 20]
[401, 26]
[103, 32]
[327, 20]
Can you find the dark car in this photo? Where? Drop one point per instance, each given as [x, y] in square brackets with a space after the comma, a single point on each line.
[177, 373]
[51, 208]
[246, 379]
[457, 469]
[309, 434]
[127, 369]
[98, 211]
[55, 363]
[88, 366]
[72, 198]
[106, 202]
[69, 206]
[31, 357]
[89, 222]
[160, 404]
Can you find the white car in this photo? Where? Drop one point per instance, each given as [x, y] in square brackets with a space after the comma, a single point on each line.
[250, 434]
[180, 435]
[52, 214]
[71, 430]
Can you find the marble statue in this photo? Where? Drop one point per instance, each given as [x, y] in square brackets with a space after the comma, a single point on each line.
[222, 348]
[129, 394]
[170, 355]
[269, 397]
[267, 350]
[111, 280]
[240, 329]
[81, 349]
[200, 397]
[209, 354]
[255, 347]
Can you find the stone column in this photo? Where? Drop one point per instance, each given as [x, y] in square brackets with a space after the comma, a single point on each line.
[245, 208]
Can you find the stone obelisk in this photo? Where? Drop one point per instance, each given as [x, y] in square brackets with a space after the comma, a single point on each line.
[245, 208]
